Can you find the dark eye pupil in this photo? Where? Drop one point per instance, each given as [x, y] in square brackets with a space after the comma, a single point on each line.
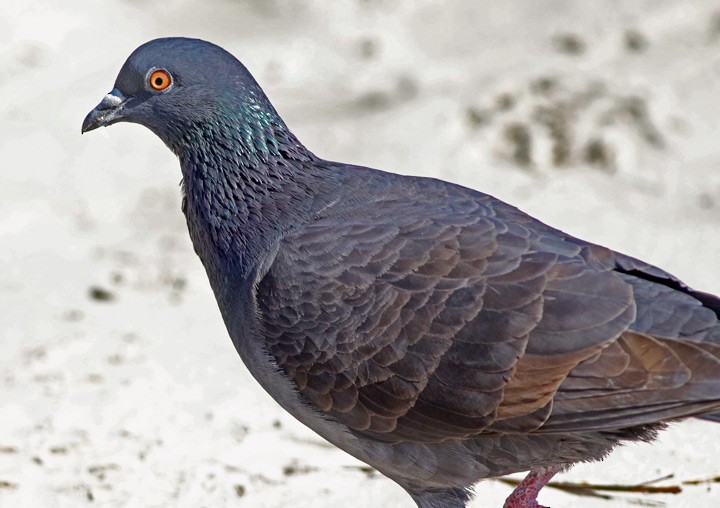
[158, 81]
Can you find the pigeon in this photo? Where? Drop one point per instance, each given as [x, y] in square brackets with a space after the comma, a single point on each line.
[432, 331]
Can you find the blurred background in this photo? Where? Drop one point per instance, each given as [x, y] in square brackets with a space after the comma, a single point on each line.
[118, 383]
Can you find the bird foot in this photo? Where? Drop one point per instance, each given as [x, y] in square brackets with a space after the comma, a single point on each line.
[525, 494]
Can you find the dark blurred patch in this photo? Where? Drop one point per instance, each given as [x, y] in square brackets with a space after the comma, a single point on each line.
[368, 48]
[100, 294]
[555, 119]
[4, 484]
[635, 41]
[239, 490]
[239, 431]
[117, 278]
[130, 338]
[178, 283]
[369, 471]
[94, 378]
[598, 154]
[266, 8]
[635, 109]
[294, 468]
[706, 200]
[405, 89]
[569, 44]
[505, 102]
[477, 117]
[374, 101]
[35, 354]
[100, 470]
[115, 359]
[519, 137]
[545, 85]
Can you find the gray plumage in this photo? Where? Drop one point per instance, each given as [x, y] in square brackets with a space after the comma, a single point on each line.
[432, 331]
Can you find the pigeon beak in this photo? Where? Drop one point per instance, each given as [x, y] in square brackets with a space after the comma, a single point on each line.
[105, 113]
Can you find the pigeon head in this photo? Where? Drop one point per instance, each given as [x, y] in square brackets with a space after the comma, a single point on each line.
[177, 86]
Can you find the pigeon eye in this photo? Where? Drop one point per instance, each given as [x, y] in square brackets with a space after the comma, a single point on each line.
[160, 80]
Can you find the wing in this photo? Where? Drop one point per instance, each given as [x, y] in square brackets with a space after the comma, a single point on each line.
[664, 366]
[437, 320]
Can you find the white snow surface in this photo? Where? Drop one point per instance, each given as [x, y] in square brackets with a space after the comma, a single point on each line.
[600, 118]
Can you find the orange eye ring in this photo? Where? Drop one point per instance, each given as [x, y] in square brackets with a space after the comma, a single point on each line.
[159, 80]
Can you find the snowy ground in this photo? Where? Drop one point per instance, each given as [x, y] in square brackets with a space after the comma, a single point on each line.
[118, 384]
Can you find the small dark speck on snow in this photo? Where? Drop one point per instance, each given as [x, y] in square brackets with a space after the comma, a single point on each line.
[368, 470]
[635, 41]
[294, 468]
[115, 359]
[570, 44]
[100, 470]
[505, 102]
[100, 294]
[477, 117]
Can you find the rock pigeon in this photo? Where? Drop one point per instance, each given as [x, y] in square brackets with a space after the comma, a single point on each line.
[434, 332]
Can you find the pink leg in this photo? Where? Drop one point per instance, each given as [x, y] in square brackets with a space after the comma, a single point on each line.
[525, 494]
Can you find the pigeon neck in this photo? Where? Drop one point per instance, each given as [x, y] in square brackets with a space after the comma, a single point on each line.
[243, 185]
[251, 133]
